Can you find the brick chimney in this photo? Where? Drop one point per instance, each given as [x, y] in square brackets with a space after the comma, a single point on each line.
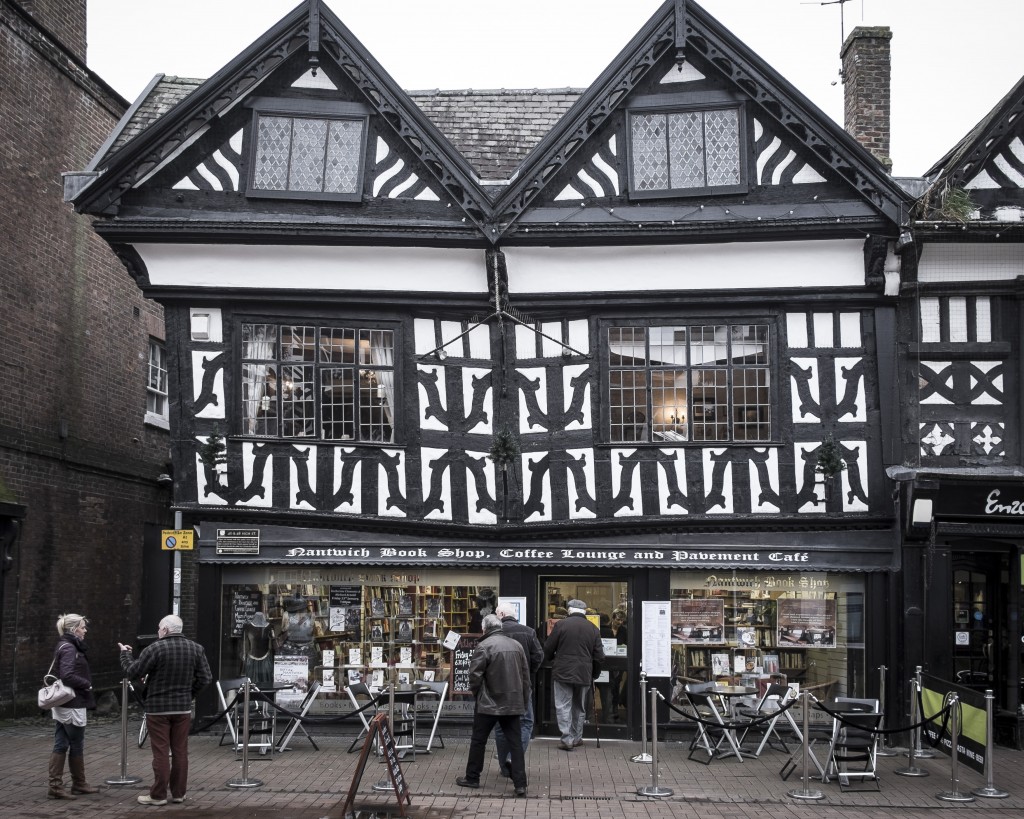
[65, 19]
[866, 71]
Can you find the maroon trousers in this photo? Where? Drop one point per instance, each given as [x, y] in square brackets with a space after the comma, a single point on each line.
[168, 735]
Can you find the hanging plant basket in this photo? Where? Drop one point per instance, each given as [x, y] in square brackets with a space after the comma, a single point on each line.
[830, 458]
[213, 453]
[504, 449]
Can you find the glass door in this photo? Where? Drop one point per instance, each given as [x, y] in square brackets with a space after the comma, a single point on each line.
[608, 608]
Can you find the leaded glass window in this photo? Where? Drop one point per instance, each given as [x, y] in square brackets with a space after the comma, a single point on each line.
[686, 150]
[689, 382]
[313, 381]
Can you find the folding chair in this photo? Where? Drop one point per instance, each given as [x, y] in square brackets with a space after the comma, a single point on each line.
[229, 696]
[709, 738]
[853, 753]
[403, 721]
[360, 694]
[295, 723]
[432, 690]
[775, 697]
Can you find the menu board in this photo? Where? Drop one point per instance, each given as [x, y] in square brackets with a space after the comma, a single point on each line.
[698, 620]
[380, 732]
[244, 604]
[462, 655]
[807, 623]
[657, 656]
[344, 609]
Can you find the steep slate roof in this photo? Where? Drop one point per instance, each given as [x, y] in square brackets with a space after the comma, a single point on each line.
[157, 101]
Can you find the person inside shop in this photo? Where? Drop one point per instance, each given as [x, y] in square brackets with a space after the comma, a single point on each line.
[258, 650]
[486, 603]
[604, 687]
[618, 678]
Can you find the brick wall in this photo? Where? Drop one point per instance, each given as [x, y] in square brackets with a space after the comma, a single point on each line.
[867, 70]
[65, 19]
[74, 448]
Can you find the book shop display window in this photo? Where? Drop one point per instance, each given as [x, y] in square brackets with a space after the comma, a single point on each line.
[805, 630]
[339, 627]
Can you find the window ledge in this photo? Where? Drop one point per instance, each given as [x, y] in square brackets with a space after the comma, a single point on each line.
[154, 420]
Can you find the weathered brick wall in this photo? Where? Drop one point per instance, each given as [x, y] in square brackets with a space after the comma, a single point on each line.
[65, 19]
[74, 334]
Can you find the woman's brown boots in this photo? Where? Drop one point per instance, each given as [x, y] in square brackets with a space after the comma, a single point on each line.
[76, 764]
[57, 778]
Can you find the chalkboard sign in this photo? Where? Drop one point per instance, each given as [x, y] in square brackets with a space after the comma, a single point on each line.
[380, 732]
[462, 655]
[345, 604]
[244, 604]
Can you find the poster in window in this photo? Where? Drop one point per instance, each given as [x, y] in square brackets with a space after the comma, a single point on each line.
[292, 675]
[344, 610]
[699, 620]
[807, 623]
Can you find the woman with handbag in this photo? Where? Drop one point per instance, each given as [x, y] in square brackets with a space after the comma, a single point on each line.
[72, 667]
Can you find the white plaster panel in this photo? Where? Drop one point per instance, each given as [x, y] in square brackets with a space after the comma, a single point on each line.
[214, 323]
[569, 373]
[727, 491]
[449, 331]
[678, 466]
[545, 486]
[617, 455]
[579, 335]
[812, 386]
[423, 332]
[480, 342]
[860, 410]
[758, 506]
[811, 506]
[212, 410]
[552, 330]
[575, 491]
[747, 265]
[468, 374]
[931, 319]
[796, 330]
[384, 491]
[526, 342]
[849, 330]
[853, 503]
[213, 499]
[433, 422]
[533, 374]
[941, 369]
[482, 515]
[315, 267]
[263, 479]
[428, 457]
[823, 334]
[969, 262]
[356, 506]
[293, 478]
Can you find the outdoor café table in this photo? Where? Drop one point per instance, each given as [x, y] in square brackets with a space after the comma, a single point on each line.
[728, 693]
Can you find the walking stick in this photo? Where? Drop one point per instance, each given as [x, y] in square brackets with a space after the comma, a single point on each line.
[597, 726]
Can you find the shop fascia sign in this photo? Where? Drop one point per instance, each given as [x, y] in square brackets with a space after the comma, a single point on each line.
[981, 500]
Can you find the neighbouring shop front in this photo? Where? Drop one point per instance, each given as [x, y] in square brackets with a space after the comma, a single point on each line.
[287, 606]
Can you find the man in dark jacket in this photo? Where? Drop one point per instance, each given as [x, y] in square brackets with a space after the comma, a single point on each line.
[499, 677]
[527, 638]
[574, 646]
[176, 670]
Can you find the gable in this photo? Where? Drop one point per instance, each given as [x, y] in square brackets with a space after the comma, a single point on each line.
[689, 130]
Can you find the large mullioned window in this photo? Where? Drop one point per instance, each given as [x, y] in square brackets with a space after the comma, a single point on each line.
[313, 381]
[695, 382]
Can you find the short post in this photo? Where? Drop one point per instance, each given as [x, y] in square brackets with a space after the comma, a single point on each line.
[124, 779]
[805, 792]
[912, 769]
[920, 751]
[643, 756]
[954, 795]
[244, 781]
[990, 790]
[654, 789]
[884, 749]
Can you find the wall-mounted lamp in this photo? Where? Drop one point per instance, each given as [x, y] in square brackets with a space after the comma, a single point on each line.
[905, 238]
[921, 512]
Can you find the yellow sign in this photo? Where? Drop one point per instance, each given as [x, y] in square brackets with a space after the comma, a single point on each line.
[177, 540]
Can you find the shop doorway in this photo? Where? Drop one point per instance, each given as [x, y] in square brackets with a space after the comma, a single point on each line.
[608, 607]
[979, 644]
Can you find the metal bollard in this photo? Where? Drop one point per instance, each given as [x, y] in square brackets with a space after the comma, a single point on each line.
[643, 756]
[884, 749]
[912, 769]
[654, 789]
[244, 781]
[805, 792]
[954, 795]
[990, 790]
[920, 751]
[124, 779]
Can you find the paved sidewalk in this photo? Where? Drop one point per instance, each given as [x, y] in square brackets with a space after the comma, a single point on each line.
[590, 782]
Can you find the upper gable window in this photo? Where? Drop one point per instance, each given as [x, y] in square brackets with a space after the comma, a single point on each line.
[308, 150]
[686, 151]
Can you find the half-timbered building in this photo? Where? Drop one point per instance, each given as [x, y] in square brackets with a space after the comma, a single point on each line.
[631, 344]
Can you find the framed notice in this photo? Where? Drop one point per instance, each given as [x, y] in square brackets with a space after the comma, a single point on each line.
[807, 623]
[657, 651]
[700, 620]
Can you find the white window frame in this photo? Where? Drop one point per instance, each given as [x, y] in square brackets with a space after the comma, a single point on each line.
[156, 389]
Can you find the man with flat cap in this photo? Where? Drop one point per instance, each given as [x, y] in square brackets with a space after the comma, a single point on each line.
[575, 651]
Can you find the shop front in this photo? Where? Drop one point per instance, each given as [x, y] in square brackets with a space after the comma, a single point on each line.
[288, 606]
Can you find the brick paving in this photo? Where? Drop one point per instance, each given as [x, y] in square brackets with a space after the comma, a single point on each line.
[588, 783]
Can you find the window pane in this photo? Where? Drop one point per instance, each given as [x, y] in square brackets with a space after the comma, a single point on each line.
[259, 399]
[749, 344]
[375, 412]
[751, 410]
[298, 343]
[710, 405]
[309, 141]
[341, 174]
[686, 150]
[157, 368]
[627, 346]
[297, 406]
[273, 144]
[259, 342]
[668, 345]
[650, 159]
[628, 405]
[722, 138]
[337, 404]
[708, 344]
[668, 405]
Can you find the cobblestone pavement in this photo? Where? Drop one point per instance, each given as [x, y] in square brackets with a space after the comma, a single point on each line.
[590, 782]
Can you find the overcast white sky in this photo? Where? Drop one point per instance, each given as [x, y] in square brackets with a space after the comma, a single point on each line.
[952, 60]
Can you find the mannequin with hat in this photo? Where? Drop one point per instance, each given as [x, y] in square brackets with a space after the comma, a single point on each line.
[258, 650]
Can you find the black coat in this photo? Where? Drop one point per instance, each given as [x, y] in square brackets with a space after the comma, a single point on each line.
[574, 645]
[499, 676]
[72, 666]
[527, 638]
